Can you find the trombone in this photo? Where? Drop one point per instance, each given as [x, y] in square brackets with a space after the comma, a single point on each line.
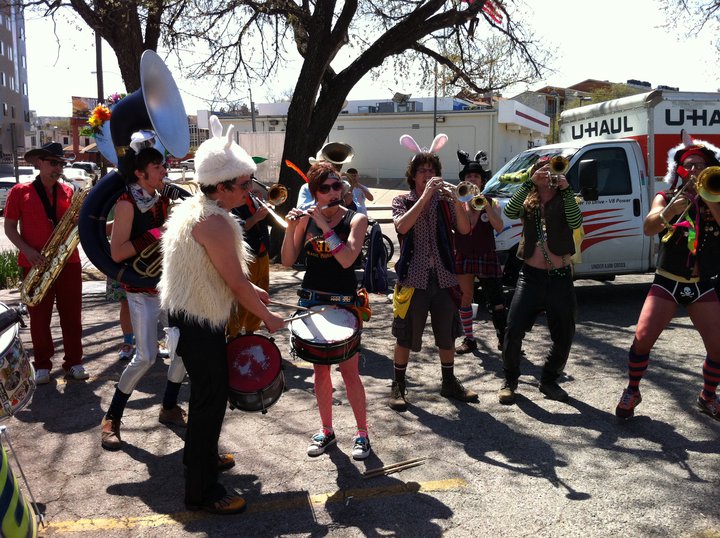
[277, 194]
[707, 185]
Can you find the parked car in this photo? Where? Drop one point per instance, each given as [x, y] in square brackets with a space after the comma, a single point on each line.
[77, 177]
[6, 183]
[188, 164]
[91, 168]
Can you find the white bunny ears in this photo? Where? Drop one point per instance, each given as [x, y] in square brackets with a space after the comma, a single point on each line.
[408, 142]
[220, 158]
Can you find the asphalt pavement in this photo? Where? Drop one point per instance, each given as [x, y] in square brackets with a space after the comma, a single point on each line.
[538, 468]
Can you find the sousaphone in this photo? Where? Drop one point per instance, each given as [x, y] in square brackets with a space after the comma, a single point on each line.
[157, 106]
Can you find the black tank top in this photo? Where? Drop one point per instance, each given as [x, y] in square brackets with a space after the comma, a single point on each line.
[324, 273]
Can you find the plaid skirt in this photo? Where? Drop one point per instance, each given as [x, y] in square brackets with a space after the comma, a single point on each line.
[483, 266]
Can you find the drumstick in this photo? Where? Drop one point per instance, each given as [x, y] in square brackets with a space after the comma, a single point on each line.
[394, 467]
[288, 305]
[307, 314]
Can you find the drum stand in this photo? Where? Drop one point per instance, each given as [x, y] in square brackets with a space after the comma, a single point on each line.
[4, 434]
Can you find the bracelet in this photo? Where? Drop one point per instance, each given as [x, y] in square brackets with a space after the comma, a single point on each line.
[328, 234]
[337, 248]
[665, 223]
[333, 242]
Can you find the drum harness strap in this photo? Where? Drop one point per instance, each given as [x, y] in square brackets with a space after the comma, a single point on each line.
[311, 295]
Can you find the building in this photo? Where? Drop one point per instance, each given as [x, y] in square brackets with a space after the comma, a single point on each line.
[14, 107]
[373, 129]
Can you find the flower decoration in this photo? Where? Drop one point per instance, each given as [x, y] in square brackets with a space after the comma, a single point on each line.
[114, 98]
[99, 116]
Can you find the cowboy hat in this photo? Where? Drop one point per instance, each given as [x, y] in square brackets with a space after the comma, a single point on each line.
[51, 149]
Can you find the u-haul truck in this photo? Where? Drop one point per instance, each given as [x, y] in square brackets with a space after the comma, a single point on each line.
[629, 139]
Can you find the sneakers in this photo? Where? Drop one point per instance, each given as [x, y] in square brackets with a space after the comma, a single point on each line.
[232, 503]
[397, 399]
[225, 462]
[506, 394]
[42, 376]
[319, 442]
[553, 391]
[361, 448]
[173, 417]
[127, 351]
[468, 346]
[163, 351]
[709, 407]
[77, 372]
[110, 434]
[454, 389]
[629, 400]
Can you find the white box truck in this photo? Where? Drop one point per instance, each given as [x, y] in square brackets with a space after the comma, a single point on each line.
[623, 137]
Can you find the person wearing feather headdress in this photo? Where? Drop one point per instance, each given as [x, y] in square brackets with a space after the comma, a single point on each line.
[688, 261]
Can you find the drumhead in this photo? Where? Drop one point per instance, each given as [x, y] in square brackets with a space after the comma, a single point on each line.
[328, 327]
[254, 362]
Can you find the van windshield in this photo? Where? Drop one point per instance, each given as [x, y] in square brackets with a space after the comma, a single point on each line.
[523, 161]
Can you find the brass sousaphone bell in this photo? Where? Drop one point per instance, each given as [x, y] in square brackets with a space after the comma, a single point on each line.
[337, 153]
[156, 106]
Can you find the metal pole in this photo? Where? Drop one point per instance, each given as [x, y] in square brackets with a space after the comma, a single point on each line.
[435, 103]
[252, 110]
[101, 93]
[13, 148]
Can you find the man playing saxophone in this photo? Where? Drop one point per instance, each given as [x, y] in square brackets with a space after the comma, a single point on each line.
[37, 208]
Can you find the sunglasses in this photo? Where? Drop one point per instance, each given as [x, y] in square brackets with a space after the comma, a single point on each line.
[325, 188]
[53, 162]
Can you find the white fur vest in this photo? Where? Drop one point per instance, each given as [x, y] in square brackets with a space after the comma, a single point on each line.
[190, 283]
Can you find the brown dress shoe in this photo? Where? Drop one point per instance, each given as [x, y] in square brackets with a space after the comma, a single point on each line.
[173, 417]
[231, 503]
[506, 394]
[225, 462]
[110, 434]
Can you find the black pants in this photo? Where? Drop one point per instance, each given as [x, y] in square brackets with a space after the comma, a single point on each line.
[203, 353]
[537, 290]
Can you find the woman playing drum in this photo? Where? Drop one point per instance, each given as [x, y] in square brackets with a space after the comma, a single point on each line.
[332, 238]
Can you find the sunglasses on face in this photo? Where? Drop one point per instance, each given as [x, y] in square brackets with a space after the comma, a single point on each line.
[325, 188]
[53, 162]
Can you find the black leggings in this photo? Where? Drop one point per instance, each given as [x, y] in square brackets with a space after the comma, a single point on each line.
[537, 290]
[204, 355]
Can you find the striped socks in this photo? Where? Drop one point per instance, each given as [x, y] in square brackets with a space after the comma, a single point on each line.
[466, 318]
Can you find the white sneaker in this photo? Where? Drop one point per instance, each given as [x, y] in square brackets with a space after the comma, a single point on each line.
[77, 372]
[42, 376]
[127, 351]
[163, 351]
[361, 448]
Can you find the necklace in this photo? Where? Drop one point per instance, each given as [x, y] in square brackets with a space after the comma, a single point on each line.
[541, 231]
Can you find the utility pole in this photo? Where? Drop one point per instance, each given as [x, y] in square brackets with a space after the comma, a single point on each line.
[101, 93]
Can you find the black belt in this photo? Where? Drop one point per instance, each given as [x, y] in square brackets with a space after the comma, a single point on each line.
[311, 295]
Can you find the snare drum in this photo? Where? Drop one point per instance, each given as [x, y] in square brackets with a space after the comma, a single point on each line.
[17, 376]
[254, 373]
[327, 337]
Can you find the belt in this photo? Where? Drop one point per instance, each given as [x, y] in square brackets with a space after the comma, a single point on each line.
[311, 295]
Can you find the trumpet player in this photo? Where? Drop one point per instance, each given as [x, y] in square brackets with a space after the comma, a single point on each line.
[427, 283]
[140, 214]
[549, 213]
[253, 215]
[37, 208]
[475, 256]
[689, 256]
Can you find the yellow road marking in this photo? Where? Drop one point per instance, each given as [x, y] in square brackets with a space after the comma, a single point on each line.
[180, 518]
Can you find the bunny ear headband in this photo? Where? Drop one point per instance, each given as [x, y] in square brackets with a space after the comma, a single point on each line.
[408, 142]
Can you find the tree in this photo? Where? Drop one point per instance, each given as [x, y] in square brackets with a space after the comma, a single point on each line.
[338, 43]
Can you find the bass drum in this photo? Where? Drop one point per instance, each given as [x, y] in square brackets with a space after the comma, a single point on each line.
[17, 376]
[255, 376]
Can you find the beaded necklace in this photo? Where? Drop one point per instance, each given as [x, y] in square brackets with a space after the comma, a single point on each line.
[541, 232]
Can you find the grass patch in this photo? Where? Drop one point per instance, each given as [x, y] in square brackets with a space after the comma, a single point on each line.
[9, 270]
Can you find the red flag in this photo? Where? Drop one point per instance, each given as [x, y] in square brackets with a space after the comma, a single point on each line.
[493, 12]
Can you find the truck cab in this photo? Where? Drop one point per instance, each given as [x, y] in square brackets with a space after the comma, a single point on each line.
[613, 241]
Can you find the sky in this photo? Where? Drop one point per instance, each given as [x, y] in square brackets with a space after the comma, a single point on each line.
[614, 40]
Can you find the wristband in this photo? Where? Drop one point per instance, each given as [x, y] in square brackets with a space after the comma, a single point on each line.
[338, 248]
[328, 234]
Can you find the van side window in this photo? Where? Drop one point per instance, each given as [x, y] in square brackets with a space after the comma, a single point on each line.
[613, 172]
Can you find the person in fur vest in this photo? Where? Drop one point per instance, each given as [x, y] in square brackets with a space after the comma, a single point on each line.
[204, 273]
[688, 261]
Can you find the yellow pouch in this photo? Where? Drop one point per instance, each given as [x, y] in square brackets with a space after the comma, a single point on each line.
[401, 300]
[578, 236]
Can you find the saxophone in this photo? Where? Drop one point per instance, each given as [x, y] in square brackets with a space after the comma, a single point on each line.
[56, 251]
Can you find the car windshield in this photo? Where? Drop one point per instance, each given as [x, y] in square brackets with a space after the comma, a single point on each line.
[520, 162]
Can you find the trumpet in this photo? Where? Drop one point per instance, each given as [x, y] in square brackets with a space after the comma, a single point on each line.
[463, 192]
[478, 202]
[277, 194]
[558, 166]
[306, 214]
[708, 184]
